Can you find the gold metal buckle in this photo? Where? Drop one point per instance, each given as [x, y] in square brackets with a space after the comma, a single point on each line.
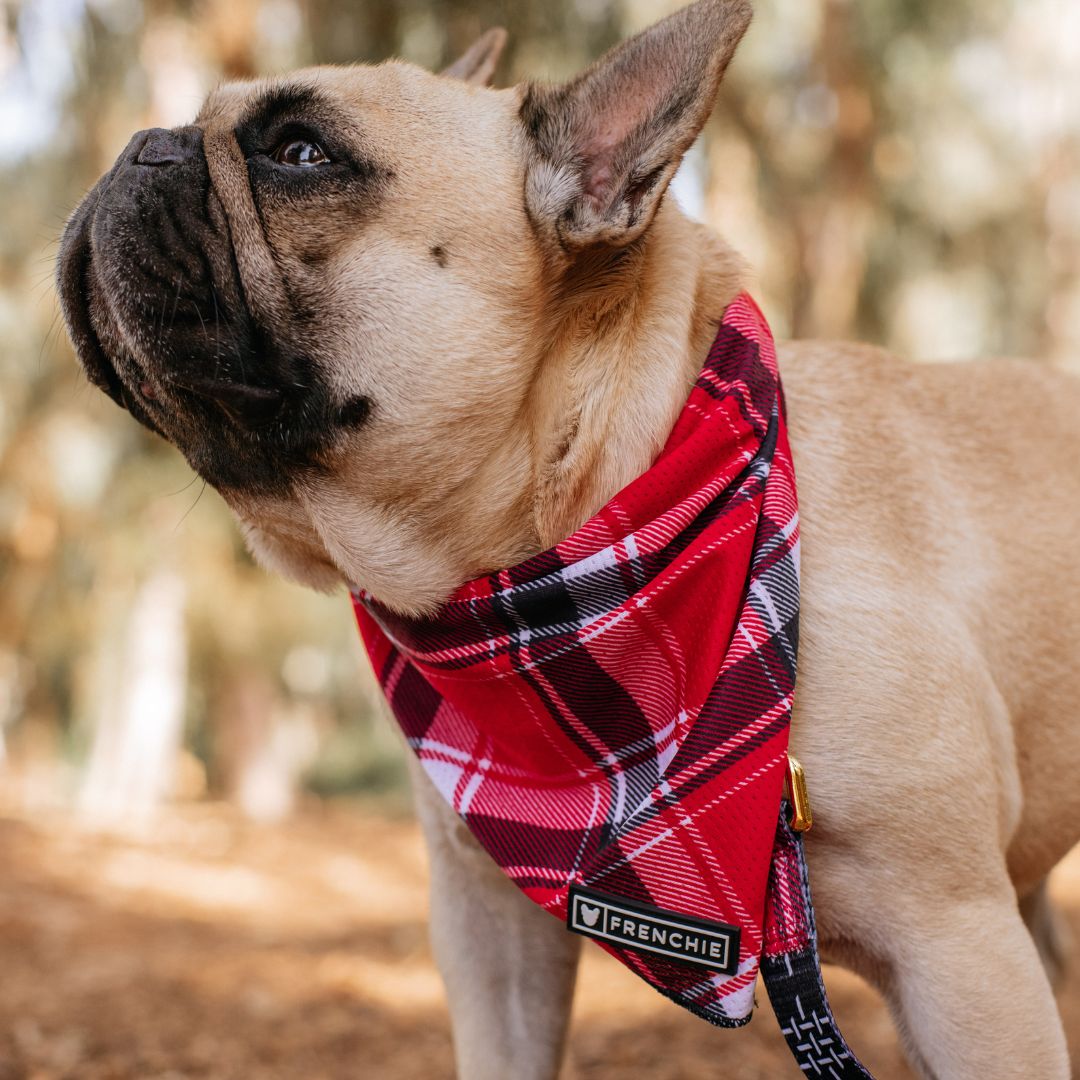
[803, 817]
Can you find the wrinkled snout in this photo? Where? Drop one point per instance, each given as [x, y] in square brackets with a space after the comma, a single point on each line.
[152, 295]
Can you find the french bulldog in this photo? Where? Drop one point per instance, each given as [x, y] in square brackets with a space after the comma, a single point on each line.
[414, 329]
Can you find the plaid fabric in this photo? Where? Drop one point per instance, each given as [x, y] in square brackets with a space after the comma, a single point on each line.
[613, 713]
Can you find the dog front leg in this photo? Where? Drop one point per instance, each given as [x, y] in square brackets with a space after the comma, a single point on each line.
[508, 966]
[956, 964]
[973, 999]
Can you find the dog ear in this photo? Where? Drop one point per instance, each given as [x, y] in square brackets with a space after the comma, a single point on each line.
[604, 146]
[477, 64]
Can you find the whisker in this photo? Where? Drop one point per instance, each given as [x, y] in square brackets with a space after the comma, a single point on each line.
[217, 332]
[176, 305]
[47, 342]
[191, 507]
[180, 491]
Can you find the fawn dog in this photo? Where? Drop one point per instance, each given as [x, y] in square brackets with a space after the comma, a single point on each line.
[414, 329]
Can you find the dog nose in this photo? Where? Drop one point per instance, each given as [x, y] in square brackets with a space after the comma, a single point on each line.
[163, 147]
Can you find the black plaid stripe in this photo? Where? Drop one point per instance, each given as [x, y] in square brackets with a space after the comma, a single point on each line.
[415, 702]
[585, 689]
[696, 775]
[729, 364]
[546, 849]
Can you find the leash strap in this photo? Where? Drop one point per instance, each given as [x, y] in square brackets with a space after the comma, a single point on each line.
[791, 968]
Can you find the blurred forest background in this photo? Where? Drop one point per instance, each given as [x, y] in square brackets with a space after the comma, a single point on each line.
[902, 171]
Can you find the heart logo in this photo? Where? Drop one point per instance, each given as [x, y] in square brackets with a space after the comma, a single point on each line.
[589, 914]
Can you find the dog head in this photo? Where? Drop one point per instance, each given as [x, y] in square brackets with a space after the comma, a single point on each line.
[335, 291]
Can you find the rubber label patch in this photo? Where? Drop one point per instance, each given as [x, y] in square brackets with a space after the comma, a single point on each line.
[648, 929]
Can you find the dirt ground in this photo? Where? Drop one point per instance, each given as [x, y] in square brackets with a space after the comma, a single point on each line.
[217, 950]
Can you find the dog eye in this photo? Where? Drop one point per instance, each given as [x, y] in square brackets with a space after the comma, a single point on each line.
[301, 153]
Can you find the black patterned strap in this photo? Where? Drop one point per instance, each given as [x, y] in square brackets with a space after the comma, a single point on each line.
[791, 968]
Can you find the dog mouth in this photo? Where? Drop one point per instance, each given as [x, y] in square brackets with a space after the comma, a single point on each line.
[75, 285]
[153, 298]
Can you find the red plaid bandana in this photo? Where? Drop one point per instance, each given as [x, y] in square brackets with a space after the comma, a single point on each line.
[610, 717]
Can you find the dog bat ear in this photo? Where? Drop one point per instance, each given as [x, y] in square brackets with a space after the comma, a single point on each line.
[604, 146]
[477, 64]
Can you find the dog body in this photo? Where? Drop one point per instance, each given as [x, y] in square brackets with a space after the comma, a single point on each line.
[449, 323]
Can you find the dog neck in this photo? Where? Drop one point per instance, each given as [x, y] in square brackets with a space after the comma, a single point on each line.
[620, 348]
[621, 364]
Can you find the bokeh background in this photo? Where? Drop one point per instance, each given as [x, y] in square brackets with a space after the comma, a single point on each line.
[207, 864]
